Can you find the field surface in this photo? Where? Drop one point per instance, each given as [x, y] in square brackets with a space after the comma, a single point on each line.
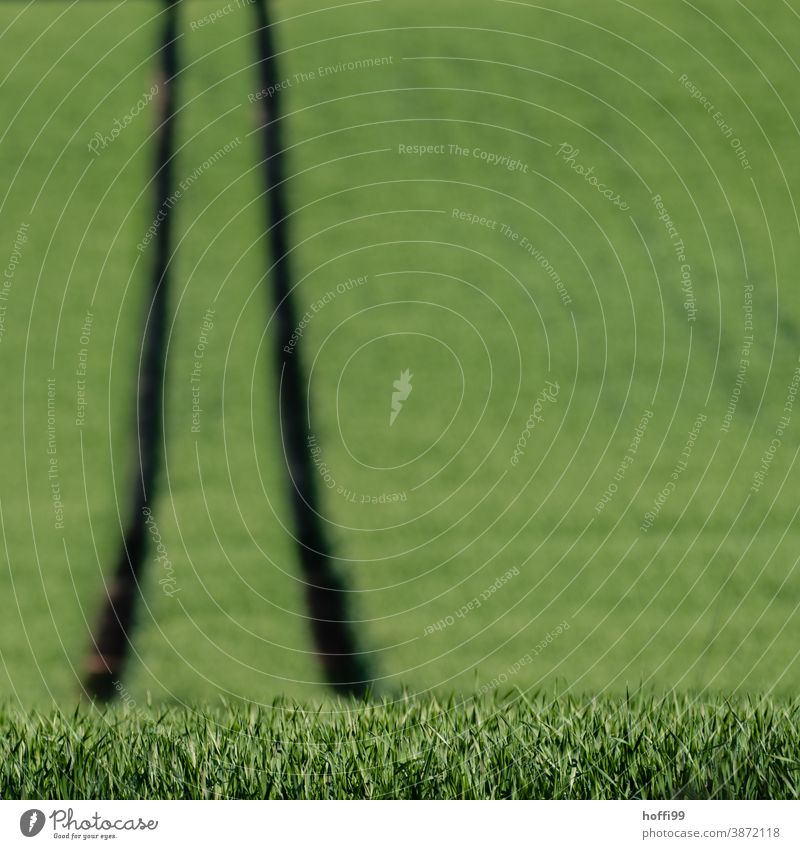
[575, 225]
[554, 748]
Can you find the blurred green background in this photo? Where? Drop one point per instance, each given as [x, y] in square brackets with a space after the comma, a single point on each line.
[705, 598]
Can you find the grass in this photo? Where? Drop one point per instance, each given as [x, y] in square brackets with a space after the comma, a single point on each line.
[639, 747]
[705, 600]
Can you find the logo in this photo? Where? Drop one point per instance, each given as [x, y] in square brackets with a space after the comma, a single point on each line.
[402, 391]
[31, 822]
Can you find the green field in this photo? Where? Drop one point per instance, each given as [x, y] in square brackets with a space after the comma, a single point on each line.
[693, 330]
[553, 748]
